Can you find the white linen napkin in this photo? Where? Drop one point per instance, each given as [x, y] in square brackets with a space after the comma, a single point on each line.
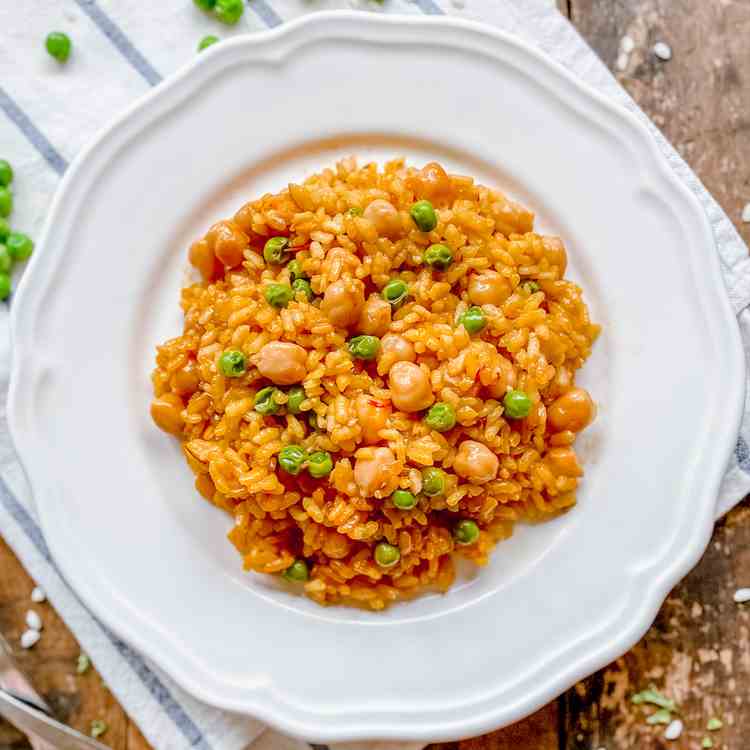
[48, 112]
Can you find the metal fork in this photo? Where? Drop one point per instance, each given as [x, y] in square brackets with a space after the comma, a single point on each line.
[23, 707]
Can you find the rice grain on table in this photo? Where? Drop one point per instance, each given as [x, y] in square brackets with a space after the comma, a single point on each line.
[535, 339]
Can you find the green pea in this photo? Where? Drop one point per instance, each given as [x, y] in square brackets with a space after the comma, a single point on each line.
[466, 532]
[20, 246]
[517, 404]
[530, 286]
[58, 45]
[395, 291]
[278, 295]
[6, 261]
[295, 270]
[312, 420]
[297, 572]
[438, 256]
[386, 555]
[441, 417]
[4, 286]
[229, 11]
[473, 320]
[232, 364]
[424, 216]
[4, 230]
[6, 202]
[205, 4]
[355, 211]
[207, 41]
[433, 481]
[6, 173]
[291, 458]
[403, 500]
[273, 250]
[303, 285]
[265, 402]
[295, 396]
[319, 464]
[364, 347]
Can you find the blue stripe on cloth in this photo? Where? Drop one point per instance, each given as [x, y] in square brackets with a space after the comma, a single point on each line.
[430, 7]
[120, 40]
[266, 13]
[150, 681]
[743, 454]
[35, 136]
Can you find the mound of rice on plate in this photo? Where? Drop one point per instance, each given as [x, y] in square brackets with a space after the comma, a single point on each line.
[376, 373]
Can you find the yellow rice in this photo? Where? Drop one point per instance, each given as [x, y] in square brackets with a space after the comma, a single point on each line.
[545, 334]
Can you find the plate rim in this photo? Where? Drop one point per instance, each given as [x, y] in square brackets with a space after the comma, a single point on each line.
[270, 705]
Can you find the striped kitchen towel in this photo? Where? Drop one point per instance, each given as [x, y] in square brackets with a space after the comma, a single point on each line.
[49, 112]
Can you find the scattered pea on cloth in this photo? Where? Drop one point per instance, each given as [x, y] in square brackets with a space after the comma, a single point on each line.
[207, 41]
[58, 45]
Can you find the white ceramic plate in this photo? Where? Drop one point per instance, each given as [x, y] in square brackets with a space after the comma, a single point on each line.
[117, 502]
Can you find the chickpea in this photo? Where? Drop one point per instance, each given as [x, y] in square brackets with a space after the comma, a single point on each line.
[372, 415]
[402, 349]
[185, 381]
[572, 411]
[343, 302]
[435, 183]
[201, 256]
[375, 317]
[166, 411]
[384, 217]
[410, 386]
[229, 242]
[554, 251]
[476, 462]
[563, 462]
[282, 363]
[488, 288]
[374, 469]
[506, 379]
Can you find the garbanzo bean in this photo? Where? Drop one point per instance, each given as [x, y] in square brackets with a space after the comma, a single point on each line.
[563, 462]
[506, 380]
[372, 414]
[343, 302]
[554, 251]
[488, 288]
[476, 462]
[185, 381]
[397, 347]
[384, 217]
[282, 363]
[375, 317]
[572, 411]
[434, 183]
[374, 469]
[410, 387]
[229, 242]
[201, 256]
[166, 411]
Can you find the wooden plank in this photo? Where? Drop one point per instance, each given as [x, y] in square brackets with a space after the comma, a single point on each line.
[697, 651]
[75, 699]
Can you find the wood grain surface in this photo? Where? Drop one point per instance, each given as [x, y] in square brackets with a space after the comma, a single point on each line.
[698, 650]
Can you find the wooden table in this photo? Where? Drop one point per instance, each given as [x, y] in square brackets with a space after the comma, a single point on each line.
[698, 651]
